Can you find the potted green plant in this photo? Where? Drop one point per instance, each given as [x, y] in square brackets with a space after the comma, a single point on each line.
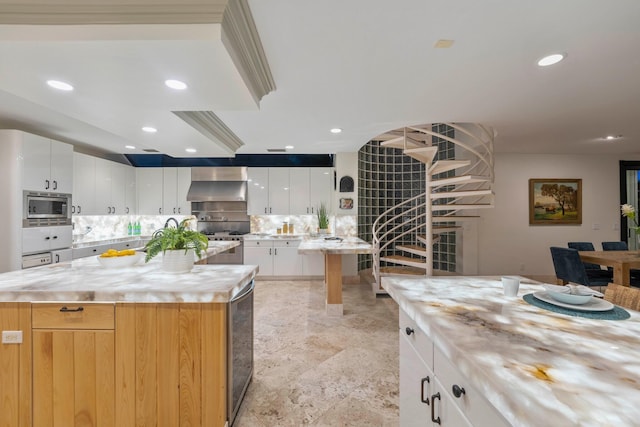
[323, 219]
[178, 246]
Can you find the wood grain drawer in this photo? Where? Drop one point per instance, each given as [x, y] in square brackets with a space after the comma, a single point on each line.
[72, 315]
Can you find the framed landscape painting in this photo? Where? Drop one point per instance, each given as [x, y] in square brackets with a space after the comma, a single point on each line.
[555, 201]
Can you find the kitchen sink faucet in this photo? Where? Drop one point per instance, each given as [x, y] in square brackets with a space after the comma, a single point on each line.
[166, 224]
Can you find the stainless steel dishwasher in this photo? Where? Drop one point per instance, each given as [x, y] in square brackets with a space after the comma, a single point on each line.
[240, 349]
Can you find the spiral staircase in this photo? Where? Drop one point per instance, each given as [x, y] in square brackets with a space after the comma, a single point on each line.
[455, 188]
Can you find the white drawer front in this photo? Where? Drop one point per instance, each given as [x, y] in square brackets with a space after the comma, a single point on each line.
[418, 339]
[258, 243]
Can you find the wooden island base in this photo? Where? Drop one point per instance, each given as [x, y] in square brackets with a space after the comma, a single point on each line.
[111, 364]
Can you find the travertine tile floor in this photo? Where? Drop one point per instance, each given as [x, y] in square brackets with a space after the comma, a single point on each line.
[311, 369]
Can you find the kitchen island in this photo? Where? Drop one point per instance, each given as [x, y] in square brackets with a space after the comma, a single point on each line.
[511, 363]
[333, 248]
[129, 346]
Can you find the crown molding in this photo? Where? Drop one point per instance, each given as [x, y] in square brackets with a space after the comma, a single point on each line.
[242, 41]
[210, 125]
[61, 12]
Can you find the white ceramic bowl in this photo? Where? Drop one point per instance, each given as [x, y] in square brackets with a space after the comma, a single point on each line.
[120, 261]
[575, 299]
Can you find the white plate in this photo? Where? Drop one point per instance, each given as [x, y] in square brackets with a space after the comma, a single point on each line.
[596, 304]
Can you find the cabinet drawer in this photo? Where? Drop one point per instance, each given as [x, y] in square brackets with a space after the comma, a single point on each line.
[418, 339]
[72, 315]
[286, 243]
[472, 403]
[258, 243]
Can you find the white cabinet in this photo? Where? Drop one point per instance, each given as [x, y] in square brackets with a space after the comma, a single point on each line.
[84, 184]
[175, 186]
[288, 191]
[48, 164]
[310, 187]
[102, 187]
[42, 239]
[312, 264]
[433, 392]
[61, 255]
[268, 191]
[149, 189]
[274, 257]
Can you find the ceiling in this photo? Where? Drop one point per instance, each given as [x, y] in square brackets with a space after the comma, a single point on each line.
[361, 65]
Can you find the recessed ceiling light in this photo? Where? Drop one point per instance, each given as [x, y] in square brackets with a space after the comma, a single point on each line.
[176, 84]
[149, 129]
[551, 59]
[130, 147]
[190, 150]
[336, 130]
[57, 84]
[289, 147]
[612, 137]
[443, 44]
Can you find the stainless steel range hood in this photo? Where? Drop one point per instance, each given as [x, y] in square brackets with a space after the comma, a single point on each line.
[218, 184]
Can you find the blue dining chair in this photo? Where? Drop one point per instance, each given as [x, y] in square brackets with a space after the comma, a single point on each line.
[569, 268]
[615, 246]
[585, 246]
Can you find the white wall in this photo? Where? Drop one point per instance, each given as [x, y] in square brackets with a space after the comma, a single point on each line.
[11, 165]
[507, 244]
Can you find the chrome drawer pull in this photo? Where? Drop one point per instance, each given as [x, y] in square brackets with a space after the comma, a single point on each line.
[71, 310]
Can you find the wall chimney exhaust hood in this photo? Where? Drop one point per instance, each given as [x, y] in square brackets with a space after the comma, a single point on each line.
[218, 184]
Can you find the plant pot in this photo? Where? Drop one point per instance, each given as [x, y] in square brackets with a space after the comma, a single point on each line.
[177, 261]
[323, 231]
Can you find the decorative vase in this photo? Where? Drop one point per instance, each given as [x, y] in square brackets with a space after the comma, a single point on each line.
[177, 261]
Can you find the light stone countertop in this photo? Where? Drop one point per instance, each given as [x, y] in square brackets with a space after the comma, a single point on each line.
[142, 239]
[498, 343]
[85, 279]
[273, 237]
[349, 245]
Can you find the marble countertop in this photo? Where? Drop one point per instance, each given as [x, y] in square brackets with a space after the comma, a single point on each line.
[536, 367]
[349, 245]
[84, 279]
[264, 236]
[88, 244]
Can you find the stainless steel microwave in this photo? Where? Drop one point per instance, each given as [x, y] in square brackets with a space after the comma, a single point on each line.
[46, 209]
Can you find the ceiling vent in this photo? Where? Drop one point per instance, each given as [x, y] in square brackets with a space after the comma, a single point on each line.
[276, 150]
[210, 125]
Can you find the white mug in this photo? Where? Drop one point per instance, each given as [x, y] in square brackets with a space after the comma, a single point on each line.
[510, 285]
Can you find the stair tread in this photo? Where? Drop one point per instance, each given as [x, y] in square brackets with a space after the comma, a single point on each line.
[466, 179]
[414, 249]
[453, 207]
[399, 143]
[460, 193]
[453, 218]
[422, 154]
[446, 165]
[401, 259]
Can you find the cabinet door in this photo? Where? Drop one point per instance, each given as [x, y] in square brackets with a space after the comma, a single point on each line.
[320, 188]
[130, 205]
[61, 255]
[61, 236]
[183, 184]
[445, 410]
[36, 152]
[312, 264]
[149, 183]
[169, 191]
[35, 239]
[77, 393]
[258, 191]
[61, 167]
[299, 191]
[286, 260]
[279, 191]
[103, 205]
[261, 254]
[118, 185]
[416, 387]
[84, 183]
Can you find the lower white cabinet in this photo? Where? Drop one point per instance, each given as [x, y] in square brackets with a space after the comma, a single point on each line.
[433, 392]
[44, 239]
[61, 255]
[274, 257]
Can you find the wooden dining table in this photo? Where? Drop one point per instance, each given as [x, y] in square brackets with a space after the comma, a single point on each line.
[621, 261]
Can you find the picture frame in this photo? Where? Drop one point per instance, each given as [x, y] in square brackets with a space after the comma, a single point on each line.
[346, 203]
[555, 201]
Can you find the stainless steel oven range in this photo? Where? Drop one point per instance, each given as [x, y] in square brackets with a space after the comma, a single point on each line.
[232, 256]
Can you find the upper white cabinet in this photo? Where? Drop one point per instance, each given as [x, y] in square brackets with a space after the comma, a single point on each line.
[84, 184]
[310, 187]
[268, 192]
[163, 191]
[48, 164]
[175, 183]
[102, 187]
[288, 191]
[149, 187]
